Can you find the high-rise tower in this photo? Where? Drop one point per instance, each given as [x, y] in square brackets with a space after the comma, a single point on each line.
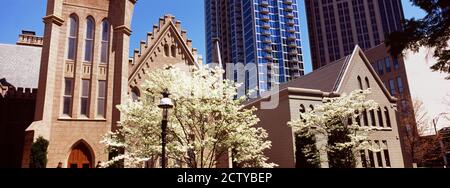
[336, 26]
[261, 35]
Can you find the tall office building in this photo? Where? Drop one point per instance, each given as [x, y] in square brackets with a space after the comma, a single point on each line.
[336, 26]
[262, 35]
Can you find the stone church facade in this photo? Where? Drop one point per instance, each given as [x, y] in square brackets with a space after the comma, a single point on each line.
[86, 70]
[348, 74]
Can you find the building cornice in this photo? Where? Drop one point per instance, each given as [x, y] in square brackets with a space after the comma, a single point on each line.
[311, 92]
[123, 29]
[53, 19]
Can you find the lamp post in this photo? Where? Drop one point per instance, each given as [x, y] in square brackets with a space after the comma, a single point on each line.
[165, 104]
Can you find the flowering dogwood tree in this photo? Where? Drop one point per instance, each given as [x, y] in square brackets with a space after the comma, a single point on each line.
[207, 123]
[334, 121]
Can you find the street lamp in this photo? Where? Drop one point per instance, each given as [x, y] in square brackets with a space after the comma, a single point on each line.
[165, 104]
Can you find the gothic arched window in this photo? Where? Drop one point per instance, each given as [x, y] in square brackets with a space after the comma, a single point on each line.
[166, 50]
[89, 45]
[387, 116]
[135, 94]
[380, 117]
[367, 82]
[360, 83]
[105, 42]
[72, 39]
[174, 51]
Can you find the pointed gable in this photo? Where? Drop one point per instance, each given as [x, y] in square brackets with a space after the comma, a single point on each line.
[166, 45]
[337, 78]
[359, 72]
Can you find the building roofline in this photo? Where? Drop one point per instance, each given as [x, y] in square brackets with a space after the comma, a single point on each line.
[159, 36]
[335, 91]
[22, 46]
[294, 91]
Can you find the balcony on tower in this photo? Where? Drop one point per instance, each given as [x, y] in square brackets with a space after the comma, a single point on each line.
[268, 49]
[267, 40]
[292, 44]
[266, 33]
[288, 2]
[289, 8]
[265, 10]
[265, 25]
[293, 52]
[292, 37]
[265, 18]
[268, 57]
[291, 30]
[294, 67]
[290, 15]
[291, 23]
[294, 60]
[265, 3]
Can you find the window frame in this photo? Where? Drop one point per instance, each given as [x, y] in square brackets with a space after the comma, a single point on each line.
[72, 37]
[392, 89]
[173, 51]
[68, 94]
[400, 85]
[104, 51]
[89, 40]
[387, 117]
[101, 96]
[388, 64]
[84, 97]
[361, 87]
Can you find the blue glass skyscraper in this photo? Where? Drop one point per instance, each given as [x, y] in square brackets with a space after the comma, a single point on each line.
[262, 33]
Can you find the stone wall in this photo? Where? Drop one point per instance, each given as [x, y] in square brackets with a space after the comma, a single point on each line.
[16, 114]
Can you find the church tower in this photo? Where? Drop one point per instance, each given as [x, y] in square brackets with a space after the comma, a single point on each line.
[83, 76]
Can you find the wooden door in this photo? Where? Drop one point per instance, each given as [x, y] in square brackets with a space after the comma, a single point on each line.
[80, 157]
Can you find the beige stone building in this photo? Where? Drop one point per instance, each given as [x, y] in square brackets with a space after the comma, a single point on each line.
[82, 77]
[86, 70]
[343, 76]
[336, 26]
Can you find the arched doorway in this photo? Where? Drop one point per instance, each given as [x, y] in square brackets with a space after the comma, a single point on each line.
[80, 156]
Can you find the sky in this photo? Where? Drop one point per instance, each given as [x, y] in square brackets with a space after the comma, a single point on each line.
[436, 102]
[18, 15]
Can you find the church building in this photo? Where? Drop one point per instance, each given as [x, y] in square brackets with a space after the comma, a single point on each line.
[353, 72]
[85, 71]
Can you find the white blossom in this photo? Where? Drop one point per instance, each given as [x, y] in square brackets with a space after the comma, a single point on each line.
[334, 116]
[207, 122]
